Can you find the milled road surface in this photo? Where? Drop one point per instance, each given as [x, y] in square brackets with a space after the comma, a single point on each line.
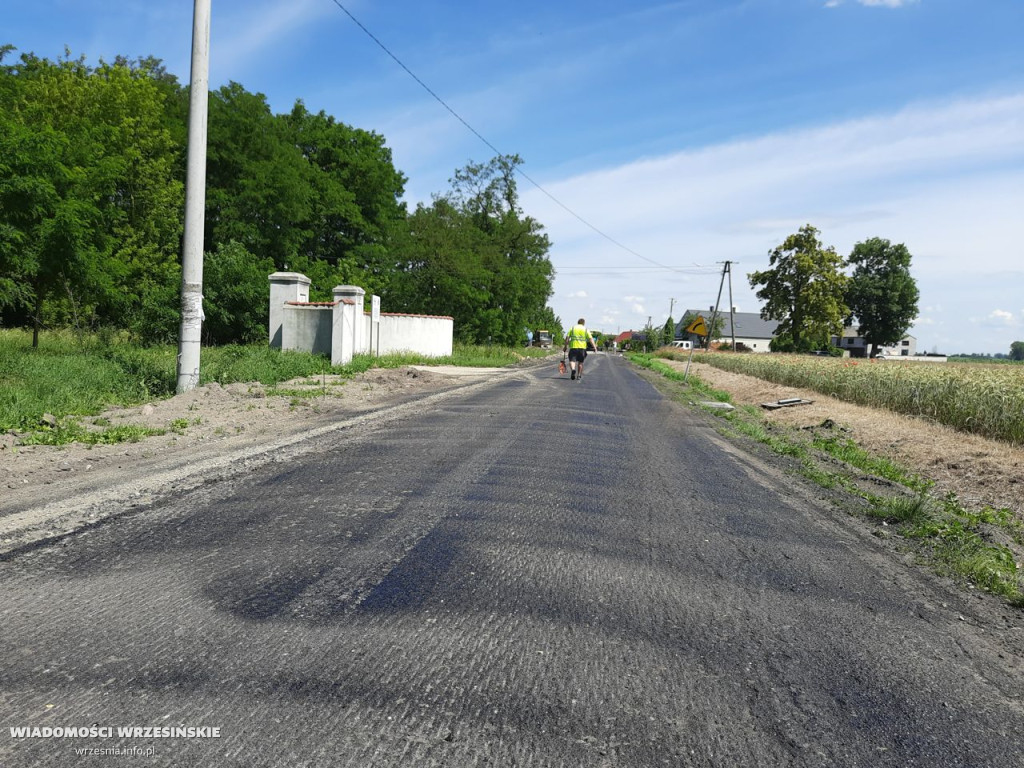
[537, 572]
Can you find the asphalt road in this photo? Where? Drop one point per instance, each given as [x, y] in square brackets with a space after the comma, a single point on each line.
[537, 572]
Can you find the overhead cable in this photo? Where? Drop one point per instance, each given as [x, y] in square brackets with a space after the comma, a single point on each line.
[494, 149]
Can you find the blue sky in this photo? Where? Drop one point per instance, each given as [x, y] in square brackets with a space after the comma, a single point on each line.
[683, 134]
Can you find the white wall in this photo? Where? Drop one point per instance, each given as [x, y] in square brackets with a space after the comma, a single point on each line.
[754, 345]
[423, 334]
[307, 328]
[343, 328]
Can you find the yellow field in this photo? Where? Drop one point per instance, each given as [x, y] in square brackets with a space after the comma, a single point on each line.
[972, 397]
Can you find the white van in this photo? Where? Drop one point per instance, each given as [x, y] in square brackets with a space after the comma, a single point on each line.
[681, 345]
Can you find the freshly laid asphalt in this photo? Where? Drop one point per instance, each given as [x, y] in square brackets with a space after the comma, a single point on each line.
[538, 572]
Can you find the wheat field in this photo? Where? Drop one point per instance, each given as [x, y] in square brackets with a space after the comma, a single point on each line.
[987, 400]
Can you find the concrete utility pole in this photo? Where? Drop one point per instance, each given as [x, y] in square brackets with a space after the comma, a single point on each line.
[726, 270]
[732, 309]
[195, 203]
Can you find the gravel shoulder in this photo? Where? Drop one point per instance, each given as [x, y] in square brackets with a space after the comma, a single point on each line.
[210, 433]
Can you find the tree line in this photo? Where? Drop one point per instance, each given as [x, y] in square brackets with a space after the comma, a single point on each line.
[807, 291]
[92, 169]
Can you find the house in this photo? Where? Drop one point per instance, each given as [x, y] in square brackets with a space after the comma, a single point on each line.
[625, 336]
[749, 328]
[857, 346]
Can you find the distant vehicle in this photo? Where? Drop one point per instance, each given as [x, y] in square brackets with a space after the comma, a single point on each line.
[681, 344]
[542, 339]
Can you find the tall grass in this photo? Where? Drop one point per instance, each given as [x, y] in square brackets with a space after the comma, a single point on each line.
[80, 375]
[66, 376]
[981, 399]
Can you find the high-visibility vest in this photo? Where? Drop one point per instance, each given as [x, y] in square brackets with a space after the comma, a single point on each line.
[577, 337]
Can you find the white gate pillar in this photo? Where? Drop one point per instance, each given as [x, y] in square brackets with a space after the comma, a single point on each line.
[284, 287]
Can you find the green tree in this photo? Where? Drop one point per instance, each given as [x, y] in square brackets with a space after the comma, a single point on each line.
[1017, 350]
[258, 183]
[440, 271]
[881, 293]
[514, 248]
[651, 338]
[355, 205]
[473, 255]
[235, 295]
[668, 332]
[87, 212]
[304, 190]
[804, 290]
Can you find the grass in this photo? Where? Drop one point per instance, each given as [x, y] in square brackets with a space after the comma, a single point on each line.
[699, 388]
[71, 431]
[847, 450]
[949, 537]
[73, 376]
[957, 541]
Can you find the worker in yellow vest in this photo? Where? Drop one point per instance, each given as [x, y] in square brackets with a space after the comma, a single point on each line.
[576, 343]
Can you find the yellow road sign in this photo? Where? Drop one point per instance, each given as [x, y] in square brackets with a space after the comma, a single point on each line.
[698, 326]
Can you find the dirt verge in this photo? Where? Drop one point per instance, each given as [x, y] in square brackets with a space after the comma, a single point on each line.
[981, 472]
[47, 491]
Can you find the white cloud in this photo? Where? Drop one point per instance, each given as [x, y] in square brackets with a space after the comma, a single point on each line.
[577, 295]
[1003, 317]
[947, 179]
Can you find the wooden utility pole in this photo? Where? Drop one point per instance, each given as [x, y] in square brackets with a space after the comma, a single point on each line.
[191, 329]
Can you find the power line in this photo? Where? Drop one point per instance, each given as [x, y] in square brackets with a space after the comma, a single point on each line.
[696, 269]
[494, 149]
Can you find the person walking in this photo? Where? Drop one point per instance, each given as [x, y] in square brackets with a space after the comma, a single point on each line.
[576, 343]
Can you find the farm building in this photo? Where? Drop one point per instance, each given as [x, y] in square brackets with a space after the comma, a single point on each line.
[750, 329]
[857, 345]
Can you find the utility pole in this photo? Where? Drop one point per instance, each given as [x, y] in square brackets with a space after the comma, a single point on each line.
[732, 309]
[726, 270]
[195, 203]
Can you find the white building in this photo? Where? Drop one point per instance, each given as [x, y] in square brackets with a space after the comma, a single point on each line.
[857, 346]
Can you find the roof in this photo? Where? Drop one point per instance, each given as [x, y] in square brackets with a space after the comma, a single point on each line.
[749, 325]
